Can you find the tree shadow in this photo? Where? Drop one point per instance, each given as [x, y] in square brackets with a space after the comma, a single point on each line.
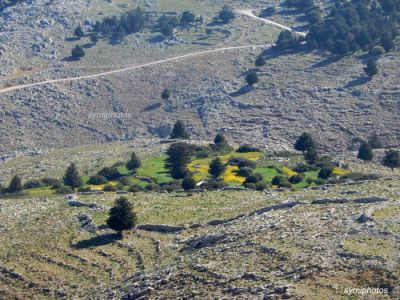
[357, 82]
[326, 62]
[157, 39]
[71, 39]
[70, 58]
[152, 107]
[98, 240]
[243, 90]
[87, 45]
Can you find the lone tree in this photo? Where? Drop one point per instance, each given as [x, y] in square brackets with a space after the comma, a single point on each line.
[77, 52]
[122, 217]
[71, 177]
[15, 185]
[216, 168]
[220, 140]
[304, 142]
[188, 183]
[179, 131]
[372, 68]
[134, 163]
[226, 15]
[260, 61]
[391, 159]
[252, 78]
[178, 157]
[365, 152]
[374, 141]
[79, 32]
[166, 94]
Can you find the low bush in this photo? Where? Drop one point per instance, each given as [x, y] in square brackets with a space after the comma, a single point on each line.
[110, 188]
[281, 181]
[247, 148]
[325, 172]
[244, 172]
[214, 185]
[254, 178]
[97, 180]
[296, 179]
[33, 183]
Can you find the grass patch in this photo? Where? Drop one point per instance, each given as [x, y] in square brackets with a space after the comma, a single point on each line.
[155, 169]
[42, 191]
[268, 173]
[370, 246]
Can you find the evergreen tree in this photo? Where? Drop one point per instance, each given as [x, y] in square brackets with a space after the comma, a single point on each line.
[79, 32]
[311, 155]
[77, 52]
[134, 163]
[304, 142]
[166, 94]
[188, 183]
[252, 78]
[392, 159]
[226, 15]
[220, 139]
[121, 216]
[365, 152]
[15, 185]
[372, 68]
[260, 61]
[374, 141]
[179, 155]
[71, 177]
[217, 168]
[179, 131]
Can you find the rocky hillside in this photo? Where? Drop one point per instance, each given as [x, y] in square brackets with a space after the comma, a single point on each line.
[299, 91]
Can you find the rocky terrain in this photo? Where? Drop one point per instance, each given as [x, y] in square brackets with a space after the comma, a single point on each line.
[298, 91]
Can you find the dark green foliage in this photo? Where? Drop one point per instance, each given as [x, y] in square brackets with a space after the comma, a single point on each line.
[325, 173]
[15, 185]
[324, 162]
[365, 152]
[217, 168]
[377, 51]
[179, 131]
[188, 183]
[281, 181]
[153, 186]
[302, 168]
[374, 141]
[134, 163]
[167, 29]
[296, 178]
[111, 173]
[124, 181]
[118, 35]
[94, 38]
[372, 68]
[33, 183]
[55, 183]
[97, 180]
[220, 139]
[187, 17]
[71, 177]
[260, 186]
[77, 52]
[268, 11]
[245, 171]
[252, 78]
[246, 163]
[311, 155]
[247, 148]
[304, 142]
[226, 15]
[314, 16]
[253, 178]
[122, 217]
[179, 155]
[166, 94]
[287, 40]
[260, 61]
[353, 25]
[391, 159]
[136, 189]
[110, 188]
[64, 190]
[214, 185]
[79, 32]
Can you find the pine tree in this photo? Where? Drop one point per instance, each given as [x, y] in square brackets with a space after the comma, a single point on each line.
[179, 155]
[121, 216]
[179, 131]
[216, 168]
[188, 183]
[79, 32]
[77, 52]
[260, 61]
[391, 159]
[372, 68]
[220, 139]
[304, 142]
[252, 78]
[165, 94]
[365, 152]
[375, 141]
[15, 185]
[71, 177]
[134, 163]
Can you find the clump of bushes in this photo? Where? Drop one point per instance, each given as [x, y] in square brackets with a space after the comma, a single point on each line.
[97, 180]
[281, 181]
[296, 178]
[247, 148]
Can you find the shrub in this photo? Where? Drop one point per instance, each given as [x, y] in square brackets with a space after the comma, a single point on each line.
[110, 188]
[302, 168]
[247, 163]
[188, 183]
[325, 172]
[261, 185]
[71, 177]
[122, 217]
[244, 172]
[226, 15]
[296, 178]
[77, 52]
[124, 181]
[247, 148]
[254, 178]
[84, 189]
[64, 190]
[152, 187]
[216, 168]
[97, 180]
[281, 181]
[268, 11]
[260, 61]
[319, 181]
[136, 188]
[33, 183]
[377, 51]
[252, 78]
[110, 173]
[214, 185]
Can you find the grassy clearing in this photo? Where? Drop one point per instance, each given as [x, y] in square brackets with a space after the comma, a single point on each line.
[370, 246]
[155, 168]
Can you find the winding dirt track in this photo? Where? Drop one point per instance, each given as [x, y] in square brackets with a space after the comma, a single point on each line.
[246, 12]
[50, 81]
